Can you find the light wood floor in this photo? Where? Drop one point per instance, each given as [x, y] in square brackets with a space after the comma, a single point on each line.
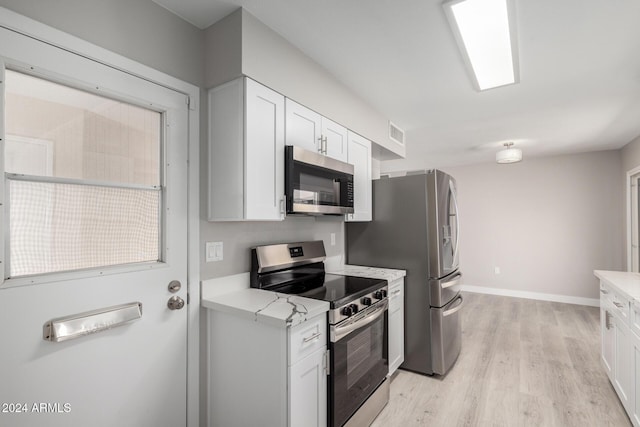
[523, 363]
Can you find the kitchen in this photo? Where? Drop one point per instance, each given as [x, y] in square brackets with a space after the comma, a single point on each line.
[509, 204]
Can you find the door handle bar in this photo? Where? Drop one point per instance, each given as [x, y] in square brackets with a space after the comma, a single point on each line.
[90, 322]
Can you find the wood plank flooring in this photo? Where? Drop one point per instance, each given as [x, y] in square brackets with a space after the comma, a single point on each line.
[523, 363]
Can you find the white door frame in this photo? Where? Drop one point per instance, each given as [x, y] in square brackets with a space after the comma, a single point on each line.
[39, 31]
[630, 174]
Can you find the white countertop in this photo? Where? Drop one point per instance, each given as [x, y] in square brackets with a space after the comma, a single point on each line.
[268, 307]
[233, 295]
[388, 274]
[624, 282]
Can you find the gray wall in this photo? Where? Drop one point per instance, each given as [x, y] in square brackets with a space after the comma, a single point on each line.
[268, 58]
[546, 222]
[138, 29]
[630, 155]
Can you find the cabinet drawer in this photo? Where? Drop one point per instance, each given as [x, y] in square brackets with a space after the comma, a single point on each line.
[307, 337]
[620, 306]
[635, 318]
[396, 295]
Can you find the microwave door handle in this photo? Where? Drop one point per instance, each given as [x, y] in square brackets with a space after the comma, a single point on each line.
[454, 196]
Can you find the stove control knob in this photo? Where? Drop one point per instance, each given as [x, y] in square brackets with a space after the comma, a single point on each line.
[380, 294]
[350, 310]
[366, 301]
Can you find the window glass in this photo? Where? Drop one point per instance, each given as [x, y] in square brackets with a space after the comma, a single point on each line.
[90, 137]
[87, 193]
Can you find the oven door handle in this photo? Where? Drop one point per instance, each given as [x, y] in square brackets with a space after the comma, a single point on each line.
[340, 331]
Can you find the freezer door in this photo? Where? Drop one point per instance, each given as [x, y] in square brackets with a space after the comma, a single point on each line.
[446, 335]
[444, 224]
[444, 290]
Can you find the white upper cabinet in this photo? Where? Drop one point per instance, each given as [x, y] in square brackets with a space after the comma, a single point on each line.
[335, 140]
[304, 126]
[246, 152]
[309, 130]
[359, 155]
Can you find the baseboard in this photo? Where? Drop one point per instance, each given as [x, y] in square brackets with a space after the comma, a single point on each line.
[593, 302]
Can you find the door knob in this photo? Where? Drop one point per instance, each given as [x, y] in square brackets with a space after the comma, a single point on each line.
[175, 303]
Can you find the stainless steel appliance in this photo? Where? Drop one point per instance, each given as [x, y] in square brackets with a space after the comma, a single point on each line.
[316, 184]
[415, 227]
[357, 320]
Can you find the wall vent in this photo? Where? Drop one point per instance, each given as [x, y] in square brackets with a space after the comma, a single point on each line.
[396, 134]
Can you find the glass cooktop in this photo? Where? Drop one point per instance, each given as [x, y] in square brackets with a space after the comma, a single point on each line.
[336, 289]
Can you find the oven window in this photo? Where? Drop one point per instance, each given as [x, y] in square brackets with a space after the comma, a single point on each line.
[359, 358]
[359, 364]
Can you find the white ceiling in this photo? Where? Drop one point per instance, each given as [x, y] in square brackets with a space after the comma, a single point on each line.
[579, 84]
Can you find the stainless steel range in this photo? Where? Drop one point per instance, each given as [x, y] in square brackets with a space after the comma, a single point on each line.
[357, 320]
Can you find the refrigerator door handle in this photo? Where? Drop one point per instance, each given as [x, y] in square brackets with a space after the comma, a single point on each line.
[454, 309]
[454, 196]
[455, 279]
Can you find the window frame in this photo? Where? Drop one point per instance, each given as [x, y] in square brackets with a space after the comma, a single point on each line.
[8, 281]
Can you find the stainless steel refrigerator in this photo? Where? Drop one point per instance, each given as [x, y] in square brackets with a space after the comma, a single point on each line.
[415, 227]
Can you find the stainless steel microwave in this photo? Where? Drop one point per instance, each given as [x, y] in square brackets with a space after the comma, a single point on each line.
[316, 184]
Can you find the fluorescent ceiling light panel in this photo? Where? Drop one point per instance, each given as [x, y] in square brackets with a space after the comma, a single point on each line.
[486, 35]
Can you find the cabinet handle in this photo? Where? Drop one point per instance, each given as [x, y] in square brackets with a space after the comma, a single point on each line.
[617, 304]
[607, 320]
[283, 204]
[321, 144]
[604, 291]
[396, 292]
[312, 337]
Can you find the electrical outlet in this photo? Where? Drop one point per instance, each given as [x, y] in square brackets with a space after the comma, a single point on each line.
[496, 270]
[214, 251]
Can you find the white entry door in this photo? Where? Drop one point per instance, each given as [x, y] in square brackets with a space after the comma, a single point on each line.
[98, 220]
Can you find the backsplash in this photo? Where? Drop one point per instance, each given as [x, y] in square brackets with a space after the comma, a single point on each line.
[239, 237]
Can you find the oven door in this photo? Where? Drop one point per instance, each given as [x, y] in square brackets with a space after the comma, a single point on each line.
[359, 361]
[317, 184]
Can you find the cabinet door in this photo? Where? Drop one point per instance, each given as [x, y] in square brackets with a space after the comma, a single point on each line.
[308, 392]
[335, 140]
[635, 413]
[396, 325]
[304, 126]
[608, 339]
[623, 371]
[359, 155]
[264, 152]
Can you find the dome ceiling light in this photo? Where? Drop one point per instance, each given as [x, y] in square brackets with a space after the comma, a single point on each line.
[509, 154]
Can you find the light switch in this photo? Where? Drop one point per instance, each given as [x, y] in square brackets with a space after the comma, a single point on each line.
[214, 251]
[333, 239]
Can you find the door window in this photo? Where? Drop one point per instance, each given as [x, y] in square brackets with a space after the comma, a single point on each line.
[83, 177]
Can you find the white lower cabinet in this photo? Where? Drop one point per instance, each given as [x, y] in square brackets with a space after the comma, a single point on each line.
[308, 391]
[607, 331]
[396, 324]
[620, 348]
[278, 374]
[635, 403]
[623, 374]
